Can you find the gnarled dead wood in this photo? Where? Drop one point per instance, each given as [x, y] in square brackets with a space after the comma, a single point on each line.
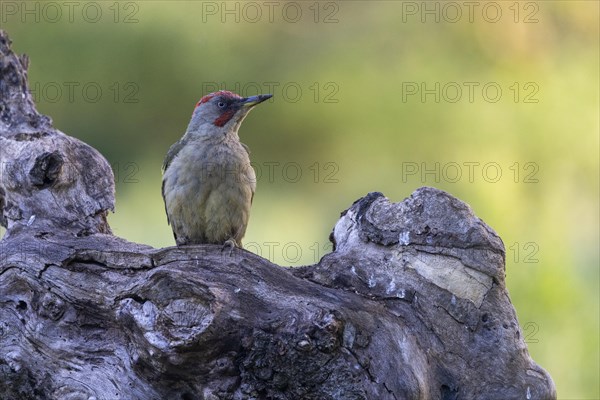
[411, 304]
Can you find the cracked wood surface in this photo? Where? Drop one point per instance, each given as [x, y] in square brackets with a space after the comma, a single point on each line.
[411, 304]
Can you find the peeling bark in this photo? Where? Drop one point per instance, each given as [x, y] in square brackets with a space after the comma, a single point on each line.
[411, 304]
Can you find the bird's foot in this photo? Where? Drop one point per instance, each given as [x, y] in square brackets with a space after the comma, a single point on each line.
[231, 243]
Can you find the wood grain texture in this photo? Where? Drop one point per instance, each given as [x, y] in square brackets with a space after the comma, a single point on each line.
[411, 304]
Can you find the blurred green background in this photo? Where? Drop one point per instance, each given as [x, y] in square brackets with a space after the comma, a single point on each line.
[496, 103]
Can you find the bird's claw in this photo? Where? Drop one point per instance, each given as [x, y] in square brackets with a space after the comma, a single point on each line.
[231, 244]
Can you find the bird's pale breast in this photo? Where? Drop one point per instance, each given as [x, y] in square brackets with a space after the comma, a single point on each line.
[209, 201]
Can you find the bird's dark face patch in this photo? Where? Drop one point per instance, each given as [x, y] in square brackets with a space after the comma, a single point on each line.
[227, 104]
[224, 117]
[225, 94]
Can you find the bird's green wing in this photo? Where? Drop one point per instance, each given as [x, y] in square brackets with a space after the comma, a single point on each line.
[171, 154]
[173, 151]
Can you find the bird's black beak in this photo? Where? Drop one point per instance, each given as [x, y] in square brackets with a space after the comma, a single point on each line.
[251, 101]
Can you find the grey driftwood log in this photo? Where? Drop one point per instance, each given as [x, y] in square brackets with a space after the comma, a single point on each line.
[411, 304]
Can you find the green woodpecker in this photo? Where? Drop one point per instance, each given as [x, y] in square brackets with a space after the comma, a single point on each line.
[208, 182]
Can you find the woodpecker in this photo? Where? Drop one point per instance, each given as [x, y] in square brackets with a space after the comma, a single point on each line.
[208, 182]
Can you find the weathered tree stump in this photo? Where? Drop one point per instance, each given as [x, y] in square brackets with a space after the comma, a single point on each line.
[411, 304]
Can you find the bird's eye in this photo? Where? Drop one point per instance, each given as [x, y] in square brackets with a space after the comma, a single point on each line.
[221, 104]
